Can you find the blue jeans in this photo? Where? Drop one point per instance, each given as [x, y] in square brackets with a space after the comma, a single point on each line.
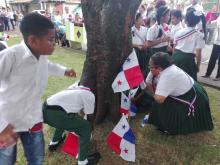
[33, 144]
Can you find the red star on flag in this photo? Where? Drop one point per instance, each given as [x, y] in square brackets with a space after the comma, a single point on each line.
[119, 82]
[126, 150]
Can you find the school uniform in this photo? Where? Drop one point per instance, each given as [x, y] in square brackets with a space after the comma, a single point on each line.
[61, 111]
[152, 35]
[215, 53]
[186, 107]
[139, 37]
[23, 79]
[186, 41]
[174, 29]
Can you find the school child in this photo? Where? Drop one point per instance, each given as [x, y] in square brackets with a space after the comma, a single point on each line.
[215, 54]
[139, 36]
[188, 44]
[178, 109]
[24, 70]
[176, 20]
[158, 36]
[65, 111]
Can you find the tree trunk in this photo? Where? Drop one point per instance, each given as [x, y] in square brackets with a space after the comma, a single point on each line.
[108, 26]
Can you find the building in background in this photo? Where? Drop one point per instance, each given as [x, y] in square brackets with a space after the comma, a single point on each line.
[51, 6]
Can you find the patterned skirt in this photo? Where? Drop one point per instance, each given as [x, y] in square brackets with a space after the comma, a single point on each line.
[173, 116]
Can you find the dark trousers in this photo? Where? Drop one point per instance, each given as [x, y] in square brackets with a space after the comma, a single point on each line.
[56, 117]
[212, 61]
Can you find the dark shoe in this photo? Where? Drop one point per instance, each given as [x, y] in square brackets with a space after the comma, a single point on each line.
[216, 79]
[53, 147]
[93, 158]
[163, 132]
[205, 76]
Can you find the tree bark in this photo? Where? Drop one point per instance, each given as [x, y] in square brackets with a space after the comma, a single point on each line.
[108, 26]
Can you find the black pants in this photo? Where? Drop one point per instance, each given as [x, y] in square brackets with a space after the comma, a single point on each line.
[212, 61]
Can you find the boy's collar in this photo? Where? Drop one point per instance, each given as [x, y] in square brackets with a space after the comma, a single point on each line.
[28, 52]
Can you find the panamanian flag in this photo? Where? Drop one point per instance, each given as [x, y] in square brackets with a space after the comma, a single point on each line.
[71, 145]
[130, 76]
[122, 140]
[125, 104]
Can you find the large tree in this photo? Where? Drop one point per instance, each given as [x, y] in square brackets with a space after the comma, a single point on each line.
[108, 26]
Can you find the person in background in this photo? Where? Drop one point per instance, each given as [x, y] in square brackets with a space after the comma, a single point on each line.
[210, 16]
[188, 44]
[139, 37]
[176, 18]
[157, 36]
[11, 18]
[24, 70]
[178, 109]
[215, 54]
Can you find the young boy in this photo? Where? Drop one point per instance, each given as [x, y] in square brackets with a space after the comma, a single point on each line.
[24, 70]
[65, 111]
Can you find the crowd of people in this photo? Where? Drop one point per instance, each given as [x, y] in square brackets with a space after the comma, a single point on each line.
[169, 47]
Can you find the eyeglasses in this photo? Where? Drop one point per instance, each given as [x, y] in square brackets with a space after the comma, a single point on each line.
[152, 67]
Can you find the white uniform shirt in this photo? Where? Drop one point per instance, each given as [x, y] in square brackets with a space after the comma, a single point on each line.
[152, 34]
[139, 36]
[74, 100]
[217, 36]
[23, 80]
[169, 80]
[175, 28]
[188, 40]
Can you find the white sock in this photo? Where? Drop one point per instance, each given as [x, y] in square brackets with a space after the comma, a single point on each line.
[84, 162]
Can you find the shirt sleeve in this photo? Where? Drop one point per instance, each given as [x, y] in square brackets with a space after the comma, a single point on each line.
[200, 42]
[6, 61]
[3, 123]
[89, 104]
[151, 34]
[56, 69]
[149, 78]
[165, 86]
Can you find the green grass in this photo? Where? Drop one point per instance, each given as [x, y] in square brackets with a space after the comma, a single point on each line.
[152, 148]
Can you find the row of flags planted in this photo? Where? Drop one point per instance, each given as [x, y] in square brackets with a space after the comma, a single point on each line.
[121, 139]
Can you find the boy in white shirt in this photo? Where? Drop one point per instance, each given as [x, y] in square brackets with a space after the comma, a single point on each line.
[67, 110]
[24, 70]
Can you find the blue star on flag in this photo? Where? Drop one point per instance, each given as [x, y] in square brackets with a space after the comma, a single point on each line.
[124, 126]
[128, 59]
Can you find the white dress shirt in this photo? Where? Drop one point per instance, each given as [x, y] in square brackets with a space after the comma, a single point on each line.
[139, 36]
[175, 28]
[188, 40]
[23, 80]
[152, 34]
[217, 36]
[169, 80]
[74, 100]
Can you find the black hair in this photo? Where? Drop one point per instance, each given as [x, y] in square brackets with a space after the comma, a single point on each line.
[176, 13]
[192, 19]
[162, 60]
[161, 11]
[160, 3]
[35, 24]
[137, 16]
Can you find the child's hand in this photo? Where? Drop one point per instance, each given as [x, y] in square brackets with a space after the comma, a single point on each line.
[8, 137]
[70, 73]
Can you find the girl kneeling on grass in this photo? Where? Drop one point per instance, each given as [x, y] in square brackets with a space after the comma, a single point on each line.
[181, 104]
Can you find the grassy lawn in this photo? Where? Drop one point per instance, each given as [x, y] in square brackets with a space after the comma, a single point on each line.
[152, 148]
